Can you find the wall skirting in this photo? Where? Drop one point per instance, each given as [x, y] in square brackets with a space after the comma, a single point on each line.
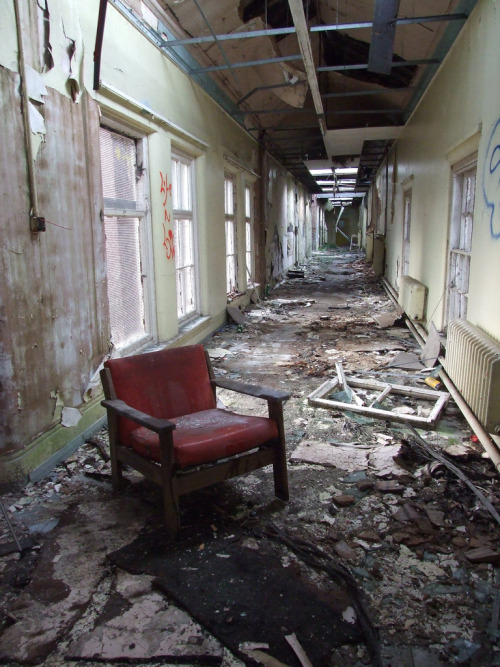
[38, 458]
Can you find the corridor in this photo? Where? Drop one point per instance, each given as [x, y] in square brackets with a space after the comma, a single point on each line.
[380, 532]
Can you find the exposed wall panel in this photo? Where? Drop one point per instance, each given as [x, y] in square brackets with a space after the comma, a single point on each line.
[54, 298]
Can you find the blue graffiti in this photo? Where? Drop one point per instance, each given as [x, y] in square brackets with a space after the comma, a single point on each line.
[491, 180]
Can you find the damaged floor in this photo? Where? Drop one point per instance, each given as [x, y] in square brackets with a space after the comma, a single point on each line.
[380, 534]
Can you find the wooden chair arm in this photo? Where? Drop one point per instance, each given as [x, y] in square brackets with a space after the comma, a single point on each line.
[273, 395]
[152, 423]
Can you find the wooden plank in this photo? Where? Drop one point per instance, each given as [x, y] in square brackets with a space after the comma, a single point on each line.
[381, 396]
[372, 412]
[148, 468]
[431, 394]
[343, 383]
[200, 478]
[325, 388]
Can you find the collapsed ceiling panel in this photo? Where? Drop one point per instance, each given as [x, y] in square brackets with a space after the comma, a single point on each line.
[371, 67]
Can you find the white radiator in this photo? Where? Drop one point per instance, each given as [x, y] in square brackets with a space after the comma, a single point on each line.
[412, 297]
[473, 363]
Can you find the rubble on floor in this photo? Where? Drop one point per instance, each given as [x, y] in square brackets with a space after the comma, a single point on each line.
[415, 534]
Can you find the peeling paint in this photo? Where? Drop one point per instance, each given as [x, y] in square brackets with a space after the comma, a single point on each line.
[35, 85]
[58, 406]
[37, 121]
[70, 417]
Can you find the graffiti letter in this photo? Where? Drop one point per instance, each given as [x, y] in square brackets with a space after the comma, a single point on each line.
[491, 180]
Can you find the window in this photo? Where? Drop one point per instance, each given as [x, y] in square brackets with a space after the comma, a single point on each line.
[185, 237]
[230, 218]
[249, 234]
[464, 190]
[406, 232]
[127, 238]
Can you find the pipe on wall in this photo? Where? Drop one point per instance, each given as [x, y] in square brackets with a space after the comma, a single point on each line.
[37, 223]
[484, 437]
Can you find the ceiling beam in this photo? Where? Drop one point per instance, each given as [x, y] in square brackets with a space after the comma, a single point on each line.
[217, 41]
[271, 86]
[289, 110]
[272, 32]
[401, 21]
[362, 93]
[395, 63]
[300, 23]
[383, 33]
[248, 63]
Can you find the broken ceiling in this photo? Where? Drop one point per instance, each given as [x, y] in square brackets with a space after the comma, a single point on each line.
[299, 77]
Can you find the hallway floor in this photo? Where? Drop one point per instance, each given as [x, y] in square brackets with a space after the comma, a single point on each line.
[411, 546]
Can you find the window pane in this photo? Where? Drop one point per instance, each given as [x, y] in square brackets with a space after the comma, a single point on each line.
[118, 164]
[185, 189]
[229, 203]
[125, 293]
[175, 184]
[184, 231]
[248, 208]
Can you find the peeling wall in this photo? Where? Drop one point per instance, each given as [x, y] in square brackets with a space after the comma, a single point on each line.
[288, 242]
[54, 299]
[458, 115]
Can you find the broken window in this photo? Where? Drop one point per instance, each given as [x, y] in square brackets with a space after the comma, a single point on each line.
[185, 237]
[249, 234]
[123, 184]
[230, 219]
[464, 190]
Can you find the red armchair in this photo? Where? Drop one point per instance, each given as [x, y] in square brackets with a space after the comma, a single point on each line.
[164, 422]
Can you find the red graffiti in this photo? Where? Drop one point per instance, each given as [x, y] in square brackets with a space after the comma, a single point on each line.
[168, 242]
[168, 238]
[164, 188]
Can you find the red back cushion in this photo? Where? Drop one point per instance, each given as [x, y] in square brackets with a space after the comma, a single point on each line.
[165, 384]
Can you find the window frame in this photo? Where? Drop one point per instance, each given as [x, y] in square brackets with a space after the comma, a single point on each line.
[407, 211]
[189, 214]
[230, 221]
[143, 213]
[456, 253]
[249, 240]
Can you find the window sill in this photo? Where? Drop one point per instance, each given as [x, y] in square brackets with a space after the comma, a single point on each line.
[188, 334]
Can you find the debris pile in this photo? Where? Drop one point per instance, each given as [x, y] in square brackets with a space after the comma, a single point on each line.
[404, 513]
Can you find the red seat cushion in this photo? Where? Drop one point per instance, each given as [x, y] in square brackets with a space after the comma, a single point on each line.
[164, 384]
[203, 437]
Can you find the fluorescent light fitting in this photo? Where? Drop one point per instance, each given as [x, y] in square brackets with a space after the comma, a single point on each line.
[344, 171]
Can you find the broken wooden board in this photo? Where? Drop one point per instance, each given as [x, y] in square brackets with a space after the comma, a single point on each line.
[319, 398]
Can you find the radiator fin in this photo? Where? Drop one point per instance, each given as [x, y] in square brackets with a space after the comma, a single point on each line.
[473, 363]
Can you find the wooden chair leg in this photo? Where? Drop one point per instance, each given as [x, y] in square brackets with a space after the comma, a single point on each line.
[116, 464]
[280, 471]
[169, 486]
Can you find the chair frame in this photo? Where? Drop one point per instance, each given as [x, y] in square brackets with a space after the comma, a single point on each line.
[175, 481]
